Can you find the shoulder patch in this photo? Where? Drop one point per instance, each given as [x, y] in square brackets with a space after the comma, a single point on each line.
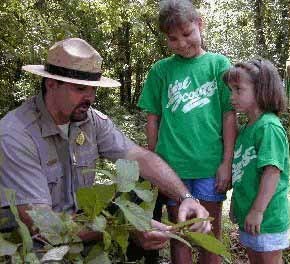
[100, 114]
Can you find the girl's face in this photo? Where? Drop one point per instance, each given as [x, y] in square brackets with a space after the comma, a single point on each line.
[185, 40]
[243, 95]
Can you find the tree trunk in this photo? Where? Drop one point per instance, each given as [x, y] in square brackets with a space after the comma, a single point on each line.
[126, 72]
[138, 84]
[259, 26]
[282, 39]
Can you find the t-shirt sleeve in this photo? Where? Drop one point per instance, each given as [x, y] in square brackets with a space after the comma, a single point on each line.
[20, 170]
[272, 146]
[224, 65]
[150, 99]
[112, 143]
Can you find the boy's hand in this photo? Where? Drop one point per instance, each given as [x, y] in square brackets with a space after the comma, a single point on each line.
[223, 177]
[253, 222]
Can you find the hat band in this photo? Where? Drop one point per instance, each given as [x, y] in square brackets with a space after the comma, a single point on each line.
[75, 74]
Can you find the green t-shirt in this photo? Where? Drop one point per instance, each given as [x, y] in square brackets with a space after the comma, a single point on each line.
[261, 144]
[190, 98]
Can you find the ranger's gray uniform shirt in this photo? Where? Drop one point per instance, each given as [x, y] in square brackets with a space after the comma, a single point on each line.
[44, 167]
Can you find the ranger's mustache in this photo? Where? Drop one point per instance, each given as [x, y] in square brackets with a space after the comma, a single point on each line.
[85, 104]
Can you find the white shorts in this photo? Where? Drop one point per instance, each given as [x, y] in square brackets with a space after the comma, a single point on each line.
[265, 242]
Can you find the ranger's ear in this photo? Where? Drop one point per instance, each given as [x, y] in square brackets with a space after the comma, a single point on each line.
[51, 84]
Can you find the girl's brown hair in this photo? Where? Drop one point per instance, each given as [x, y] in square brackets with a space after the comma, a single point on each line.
[268, 86]
[174, 13]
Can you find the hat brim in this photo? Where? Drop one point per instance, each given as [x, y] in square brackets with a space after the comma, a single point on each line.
[39, 70]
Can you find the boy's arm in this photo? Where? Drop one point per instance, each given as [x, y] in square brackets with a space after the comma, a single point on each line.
[224, 172]
[268, 184]
[152, 128]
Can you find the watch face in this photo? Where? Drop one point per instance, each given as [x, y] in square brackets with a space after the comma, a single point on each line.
[188, 195]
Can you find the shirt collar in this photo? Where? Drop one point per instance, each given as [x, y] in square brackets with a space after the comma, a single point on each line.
[47, 124]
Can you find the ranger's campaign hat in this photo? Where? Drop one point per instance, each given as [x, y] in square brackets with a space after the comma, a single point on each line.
[73, 60]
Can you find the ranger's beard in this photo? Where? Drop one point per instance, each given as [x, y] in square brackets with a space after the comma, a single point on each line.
[80, 111]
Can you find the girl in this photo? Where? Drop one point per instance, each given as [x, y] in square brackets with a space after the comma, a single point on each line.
[261, 161]
[190, 121]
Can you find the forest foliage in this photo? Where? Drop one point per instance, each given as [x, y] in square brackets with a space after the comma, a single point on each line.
[125, 32]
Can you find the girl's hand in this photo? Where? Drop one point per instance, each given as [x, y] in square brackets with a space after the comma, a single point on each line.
[253, 222]
[224, 177]
[268, 184]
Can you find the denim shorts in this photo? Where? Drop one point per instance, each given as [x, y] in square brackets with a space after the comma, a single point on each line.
[202, 189]
[265, 242]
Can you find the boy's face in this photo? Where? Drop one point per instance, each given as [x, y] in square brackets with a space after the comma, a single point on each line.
[185, 40]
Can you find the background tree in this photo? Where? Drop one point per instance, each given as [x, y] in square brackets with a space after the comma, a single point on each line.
[126, 34]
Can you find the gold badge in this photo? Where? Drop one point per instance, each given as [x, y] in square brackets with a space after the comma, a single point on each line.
[80, 140]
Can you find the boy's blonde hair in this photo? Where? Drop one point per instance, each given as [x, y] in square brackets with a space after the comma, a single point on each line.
[268, 86]
[174, 13]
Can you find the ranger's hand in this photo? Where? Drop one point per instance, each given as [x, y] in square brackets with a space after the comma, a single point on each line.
[191, 208]
[152, 239]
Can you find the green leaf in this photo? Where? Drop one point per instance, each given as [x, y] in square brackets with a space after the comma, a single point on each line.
[121, 236]
[98, 224]
[76, 249]
[55, 254]
[97, 255]
[174, 236]
[127, 174]
[22, 228]
[167, 222]
[149, 207]
[49, 224]
[3, 220]
[70, 228]
[107, 240]
[6, 247]
[210, 243]
[16, 259]
[76, 260]
[94, 199]
[191, 222]
[134, 214]
[31, 258]
[143, 190]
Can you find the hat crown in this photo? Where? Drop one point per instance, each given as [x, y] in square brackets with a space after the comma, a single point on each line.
[73, 60]
[75, 54]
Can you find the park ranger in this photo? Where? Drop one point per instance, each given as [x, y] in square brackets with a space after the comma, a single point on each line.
[47, 142]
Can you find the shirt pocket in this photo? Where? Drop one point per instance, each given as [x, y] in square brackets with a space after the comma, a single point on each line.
[86, 165]
[55, 180]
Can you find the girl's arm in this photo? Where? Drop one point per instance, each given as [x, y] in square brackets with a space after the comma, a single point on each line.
[267, 188]
[224, 172]
[152, 128]
[229, 134]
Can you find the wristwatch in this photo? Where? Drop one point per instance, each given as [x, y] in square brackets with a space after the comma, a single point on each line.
[186, 196]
